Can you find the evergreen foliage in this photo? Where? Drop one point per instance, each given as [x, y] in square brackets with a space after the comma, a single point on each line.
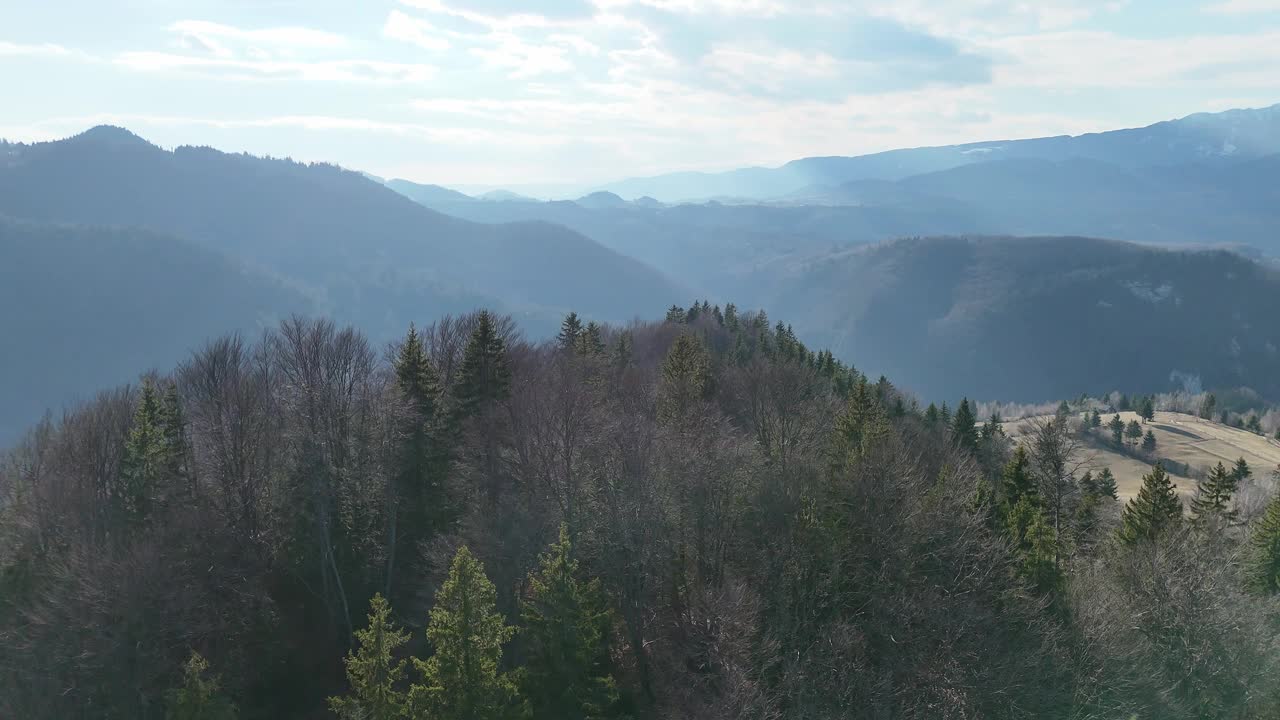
[1263, 561]
[1154, 511]
[373, 671]
[200, 697]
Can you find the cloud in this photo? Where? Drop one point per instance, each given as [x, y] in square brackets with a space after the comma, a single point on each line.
[1244, 7]
[400, 26]
[39, 50]
[351, 71]
[213, 38]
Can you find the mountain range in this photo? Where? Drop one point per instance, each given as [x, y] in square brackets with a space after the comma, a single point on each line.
[903, 262]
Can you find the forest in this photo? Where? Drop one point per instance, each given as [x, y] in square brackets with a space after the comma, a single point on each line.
[693, 518]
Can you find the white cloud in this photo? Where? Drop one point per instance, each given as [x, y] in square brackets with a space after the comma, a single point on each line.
[38, 50]
[354, 71]
[1244, 7]
[201, 34]
[403, 27]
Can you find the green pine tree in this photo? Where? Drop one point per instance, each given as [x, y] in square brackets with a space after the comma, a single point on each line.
[931, 415]
[1116, 426]
[565, 633]
[1095, 420]
[199, 698]
[1033, 539]
[570, 331]
[1149, 442]
[1105, 485]
[1133, 432]
[1212, 500]
[485, 375]
[373, 671]
[1147, 409]
[1207, 406]
[461, 680]
[686, 377]
[964, 427]
[1155, 510]
[859, 426]
[590, 342]
[622, 350]
[145, 462]
[1241, 472]
[1017, 483]
[676, 314]
[1263, 561]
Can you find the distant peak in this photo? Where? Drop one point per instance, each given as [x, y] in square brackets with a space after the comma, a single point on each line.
[602, 199]
[111, 135]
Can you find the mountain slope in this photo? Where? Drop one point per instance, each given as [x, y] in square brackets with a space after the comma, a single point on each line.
[1031, 319]
[372, 256]
[1212, 137]
[82, 309]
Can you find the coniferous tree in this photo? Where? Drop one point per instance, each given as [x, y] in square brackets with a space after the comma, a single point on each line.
[1263, 561]
[1212, 500]
[590, 341]
[731, 316]
[1147, 409]
[622, 350]
[1105, 485]
[1253, 425]
[173, 430]
[1149, 442]
[420, 506]
[1095, 419]
[145, 461]
[858, 427]
[676, 314]
[485, 375]
[1241, 472]
[1033, 539]
[199, 698]
[570, 331]
[931, 415]
[944, 415]
[1116, 426]
[373, 670]
[964, 427]
[1133, 432]
[686, 377]
[461, 680]
[1017, 482]
[566, 627]
[1155, 510]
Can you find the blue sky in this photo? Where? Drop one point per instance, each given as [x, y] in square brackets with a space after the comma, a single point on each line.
[520, 92]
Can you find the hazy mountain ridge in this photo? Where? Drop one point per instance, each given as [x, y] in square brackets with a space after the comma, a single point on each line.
[1035, 318]
[86, 308]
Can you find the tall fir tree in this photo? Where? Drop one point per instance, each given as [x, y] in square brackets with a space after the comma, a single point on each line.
[1133, 432]
[1212, 501]
[1105, 485]
[570, 331]
[1116, 426]
[676, 314]
[1154, 511]
[485, 375]
[565, 633]
[421, 506]
[1147, 409]
[1241, 472]
[931, 416]
[1032, 537]
[199, 697]
[686, 377]
[858, 427]
[1263, 560]
[145, 462]
[591, 341]
[373, 672]
[1207, 406]
[1017, 482]
[1149, 442]
[461, 680]
[964, 427]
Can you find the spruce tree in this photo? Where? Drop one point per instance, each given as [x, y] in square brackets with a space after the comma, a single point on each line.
[1133, 432]
[1105, 485]
[145, 462]
[964, 427]
[1095, 419]
[1155, 510]
[686, 377]
[1147, 409]
[731, 316]
[1116, 426]
[1033, 539]
[931, 415]
[676, 314]
[590, 342]
[199, 697]
[421, 504]
[565, 633]
[859, 426]
[1212, 500]
[461, 680]
[622, 350]
[373, 671]
[1149, 442]
[944, 415]
[1241, 472]
[1207, 406]
[484, 375]
[1017, 481]
[1253, 425]
[1263, 561]
[570, 331]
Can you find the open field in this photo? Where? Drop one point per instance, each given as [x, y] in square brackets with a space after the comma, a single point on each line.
[1184, 439]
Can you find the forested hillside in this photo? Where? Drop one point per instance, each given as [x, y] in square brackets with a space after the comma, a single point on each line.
[371, 256]
[697, 518]
[1032, 319]
[83, 309]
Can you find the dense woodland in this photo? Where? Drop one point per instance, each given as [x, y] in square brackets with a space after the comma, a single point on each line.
[697, 518]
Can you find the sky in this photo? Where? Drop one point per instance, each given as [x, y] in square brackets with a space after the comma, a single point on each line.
[522, 93]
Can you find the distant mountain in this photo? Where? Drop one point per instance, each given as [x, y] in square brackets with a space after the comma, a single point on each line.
[602, 200]
[1033, 319]
[82, 309]
[368, 254]
[1216, 137]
